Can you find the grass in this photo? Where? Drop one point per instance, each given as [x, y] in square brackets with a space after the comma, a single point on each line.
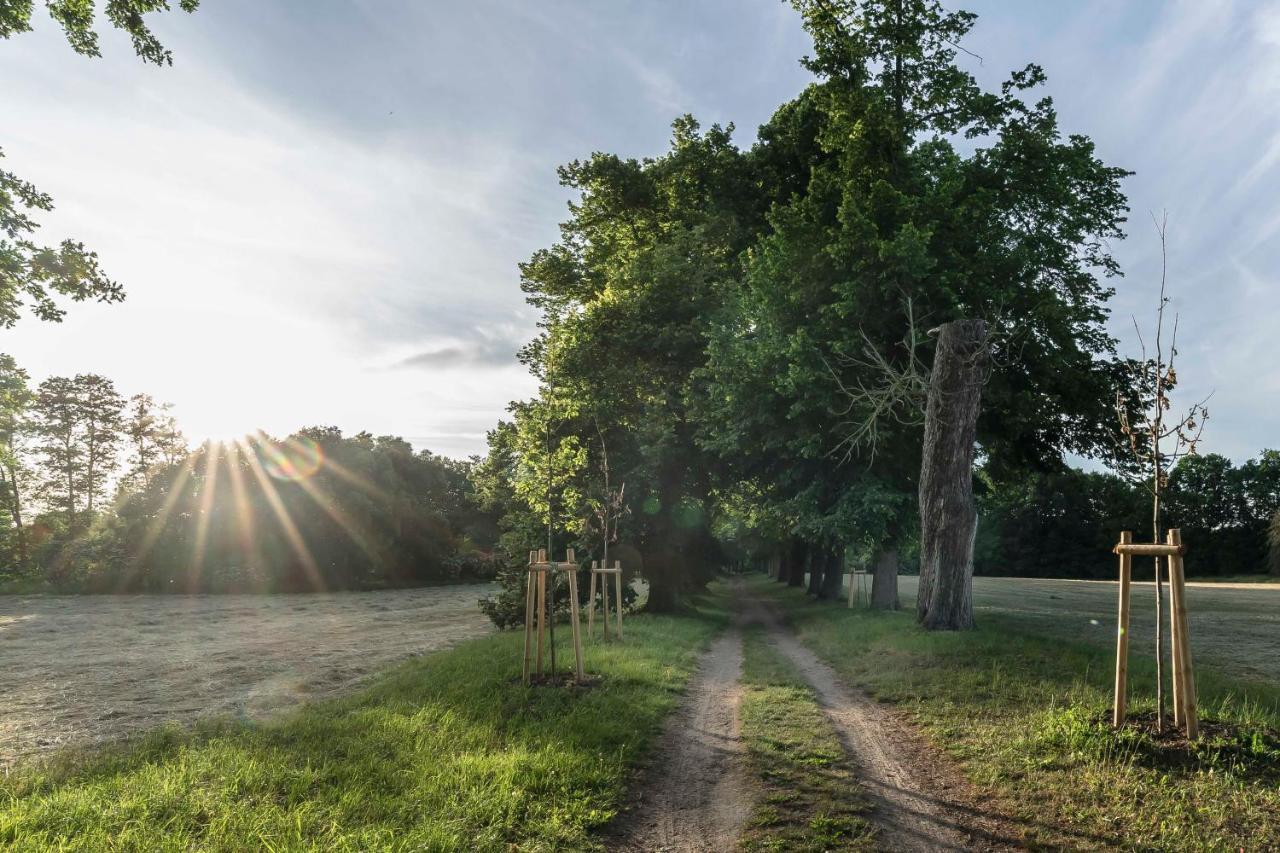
[1023, 711]
[448, 752]
[810, 798]
[1268, 578]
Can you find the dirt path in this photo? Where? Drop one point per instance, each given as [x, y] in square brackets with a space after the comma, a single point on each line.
[81, 669]
[696, 795]
[920, 803]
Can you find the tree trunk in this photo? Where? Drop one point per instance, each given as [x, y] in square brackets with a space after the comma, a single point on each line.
[814, 560]
[884, 581]
[16, 510]
[796, 560]
[948, 515]
[663, 572]
[833, 573]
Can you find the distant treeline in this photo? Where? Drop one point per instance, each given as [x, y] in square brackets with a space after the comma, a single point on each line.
[100, 493]
[1064, 524]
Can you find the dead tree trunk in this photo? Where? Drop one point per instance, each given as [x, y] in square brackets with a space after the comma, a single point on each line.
[948, 515]
[884, 581]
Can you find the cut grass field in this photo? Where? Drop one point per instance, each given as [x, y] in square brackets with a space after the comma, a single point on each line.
[448, 752]
[810, 797]
[1021, 706]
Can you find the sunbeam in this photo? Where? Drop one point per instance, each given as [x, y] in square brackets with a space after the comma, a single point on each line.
[208, 493]
[249, 553]
[290, 529]
[157, 524]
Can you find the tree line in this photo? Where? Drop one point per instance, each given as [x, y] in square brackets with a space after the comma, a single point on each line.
[744, 336]
[99, 492]
[1063, 523]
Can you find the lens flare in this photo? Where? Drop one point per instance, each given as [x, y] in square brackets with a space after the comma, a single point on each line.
[295, 460]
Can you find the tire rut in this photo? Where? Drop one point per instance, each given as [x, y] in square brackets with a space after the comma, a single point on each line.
[696, 795]
[919, 803]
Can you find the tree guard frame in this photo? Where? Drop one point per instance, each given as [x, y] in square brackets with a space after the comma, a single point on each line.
[1184, 680]
[535, 609]
[604, 573]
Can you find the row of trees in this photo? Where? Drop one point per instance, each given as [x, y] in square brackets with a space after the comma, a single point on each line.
[101, 492]
[1064, 523]
[65, 446]
[745, 332]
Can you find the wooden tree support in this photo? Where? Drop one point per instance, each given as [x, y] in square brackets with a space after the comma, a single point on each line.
[604, 574]
[535, 610]
[1184, 683]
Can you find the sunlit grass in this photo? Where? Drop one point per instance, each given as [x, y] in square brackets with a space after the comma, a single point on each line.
[449, 752]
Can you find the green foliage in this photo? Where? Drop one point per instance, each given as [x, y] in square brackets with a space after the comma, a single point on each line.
[1064, 523]
[1273, 543]
[33, 276]
[77, 17]
[314, 511]
[889, 220]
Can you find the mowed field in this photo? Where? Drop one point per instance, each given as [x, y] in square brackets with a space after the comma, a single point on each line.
[78, 670]
[1235, 628]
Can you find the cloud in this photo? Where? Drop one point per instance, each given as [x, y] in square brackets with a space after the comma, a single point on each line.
[468, 354]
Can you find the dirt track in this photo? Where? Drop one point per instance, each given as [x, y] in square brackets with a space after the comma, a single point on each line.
[697, 795]
[920, 803]
[83, 669]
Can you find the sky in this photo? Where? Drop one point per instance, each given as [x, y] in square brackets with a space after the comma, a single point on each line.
[318, 212]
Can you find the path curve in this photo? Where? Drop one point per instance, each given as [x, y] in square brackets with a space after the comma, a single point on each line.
[696, 795]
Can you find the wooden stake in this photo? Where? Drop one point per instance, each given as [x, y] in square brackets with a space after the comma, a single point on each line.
[604, 585]
[1175, 637]
[617, 579]
[574, 618]
[853, 588]
[1122, 634]
[591, 602]
[528, 614]
[1187, 676]
[542, 612]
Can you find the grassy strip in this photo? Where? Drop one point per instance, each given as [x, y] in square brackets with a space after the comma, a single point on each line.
[1023, 713]
[811, 800]
[448, 752]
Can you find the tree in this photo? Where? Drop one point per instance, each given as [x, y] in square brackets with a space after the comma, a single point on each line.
[59, 423]
[79, 423]
[15, 402]
[948, 515]
[1156, 439]
[648, 252]
[1273, 543]
[154, 438]
[889, 214]
[33, 276]
[103, 410]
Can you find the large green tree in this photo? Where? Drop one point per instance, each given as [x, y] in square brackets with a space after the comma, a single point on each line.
[931, 200]
[648, 254]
